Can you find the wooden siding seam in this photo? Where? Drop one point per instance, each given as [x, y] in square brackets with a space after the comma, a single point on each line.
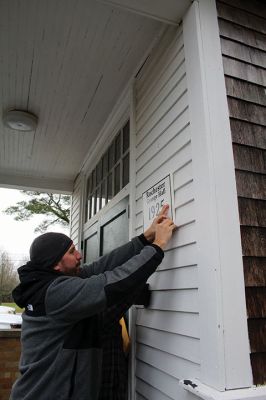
[242, 44]
[182, 166]
[161, 370]
[256, 6]
[184, 204]
[248, 198]
[247, 121]
[247, 146]
[149, 384]
[166, 330]
[177, 188]
[237, 8]
[247, 101]
[251, 63]
[175, 268]
[250, 173]
[238, 41]
[186, 289]
[187, 224]
[181, 246]
[181, 312]
[167, 352]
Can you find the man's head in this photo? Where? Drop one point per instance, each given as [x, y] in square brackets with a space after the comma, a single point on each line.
[56, 251]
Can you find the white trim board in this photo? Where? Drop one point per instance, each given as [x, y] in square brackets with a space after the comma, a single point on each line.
[225, 362]
[207, 393]
[52, 185]
[156, 9]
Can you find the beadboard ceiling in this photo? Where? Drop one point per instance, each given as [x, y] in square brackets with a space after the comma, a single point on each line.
[67, 61]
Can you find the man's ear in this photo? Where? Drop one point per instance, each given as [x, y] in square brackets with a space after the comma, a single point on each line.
[57, 267]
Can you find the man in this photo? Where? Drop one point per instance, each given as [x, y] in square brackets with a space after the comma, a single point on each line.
[64, 304]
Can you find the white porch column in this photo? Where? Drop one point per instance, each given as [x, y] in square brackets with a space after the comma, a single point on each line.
[225, 362]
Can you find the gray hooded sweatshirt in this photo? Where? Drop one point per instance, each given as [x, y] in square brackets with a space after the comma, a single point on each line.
[62, 324]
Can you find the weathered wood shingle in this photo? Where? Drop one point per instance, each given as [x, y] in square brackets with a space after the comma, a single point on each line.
[243, 43]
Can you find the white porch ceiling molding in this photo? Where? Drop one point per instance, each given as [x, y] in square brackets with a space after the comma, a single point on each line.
[167, 11]
[39, 184]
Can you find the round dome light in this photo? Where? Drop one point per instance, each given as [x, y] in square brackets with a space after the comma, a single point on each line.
[20, 120]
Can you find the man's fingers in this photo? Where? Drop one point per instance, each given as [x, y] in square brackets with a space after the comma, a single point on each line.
[170, 223]
[160, 218]
[164, 210]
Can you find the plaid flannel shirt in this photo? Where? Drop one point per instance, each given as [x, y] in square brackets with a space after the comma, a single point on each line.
[115, 361]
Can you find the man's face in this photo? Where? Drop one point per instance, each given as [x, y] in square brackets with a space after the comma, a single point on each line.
[70, 262]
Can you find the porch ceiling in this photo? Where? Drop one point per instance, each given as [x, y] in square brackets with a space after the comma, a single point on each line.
[66, 61]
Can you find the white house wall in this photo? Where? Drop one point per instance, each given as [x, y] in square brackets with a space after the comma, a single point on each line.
[76, 211]
[179, 126]
[167, 333]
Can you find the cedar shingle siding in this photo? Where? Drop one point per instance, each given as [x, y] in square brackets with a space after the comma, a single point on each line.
[243, 42]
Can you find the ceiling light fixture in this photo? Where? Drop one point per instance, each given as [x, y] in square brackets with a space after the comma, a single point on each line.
[20, 120]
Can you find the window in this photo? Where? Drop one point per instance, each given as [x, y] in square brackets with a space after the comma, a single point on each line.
[110, 175]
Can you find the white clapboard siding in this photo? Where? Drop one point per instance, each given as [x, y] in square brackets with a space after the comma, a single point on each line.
[185, 300]
[178, 158]
[167, 332]
[169, 364]
[148, 392]
[183, 256]
[174, 278]
[170, 321]
[156, 380]
[179, 345]
[75, 211]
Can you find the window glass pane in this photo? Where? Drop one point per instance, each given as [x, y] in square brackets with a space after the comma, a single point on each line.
[99, 172]
[91, 248]
[89, 207]
[111, 156]
[104, 197]
[126, 137]
[118, 147]
[109, 187]
[117, 179]
[100, 197]
[110, 174]
[105, 165]
[92, 206]
[89, 184]
[97, 201]
[126, 170]
[93, 179]
[87, 211]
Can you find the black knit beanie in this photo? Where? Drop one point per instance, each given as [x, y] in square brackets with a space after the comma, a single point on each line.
[47, 249]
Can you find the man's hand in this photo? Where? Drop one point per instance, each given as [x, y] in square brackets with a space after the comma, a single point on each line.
[163, 232]
[150, 232]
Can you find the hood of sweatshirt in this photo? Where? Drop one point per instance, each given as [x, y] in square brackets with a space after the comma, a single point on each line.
[34, 282]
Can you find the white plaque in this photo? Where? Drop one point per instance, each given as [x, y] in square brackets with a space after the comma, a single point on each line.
[153, 200]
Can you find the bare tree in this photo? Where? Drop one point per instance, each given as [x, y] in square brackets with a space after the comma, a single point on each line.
[8, 277]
